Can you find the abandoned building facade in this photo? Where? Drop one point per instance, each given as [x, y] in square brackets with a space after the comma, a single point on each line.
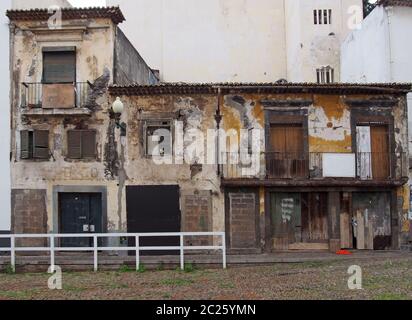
[331, 171]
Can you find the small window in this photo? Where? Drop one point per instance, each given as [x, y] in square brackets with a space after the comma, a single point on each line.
[325, 75]
[81, 144]
[34, 144]
[59, 66]
[158, 138]
[322, 16]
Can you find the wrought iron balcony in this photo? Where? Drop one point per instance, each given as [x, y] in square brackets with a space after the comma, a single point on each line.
[54, 95]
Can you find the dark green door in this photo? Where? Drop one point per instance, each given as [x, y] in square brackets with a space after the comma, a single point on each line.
[80, 213]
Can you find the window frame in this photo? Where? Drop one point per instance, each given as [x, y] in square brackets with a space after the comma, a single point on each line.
[32, 154]
[82, 156]
[148, 123]
[57, 50]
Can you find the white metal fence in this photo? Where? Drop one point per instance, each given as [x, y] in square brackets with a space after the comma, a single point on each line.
[53, 247]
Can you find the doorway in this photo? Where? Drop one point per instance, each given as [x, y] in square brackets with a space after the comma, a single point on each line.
[153, 209]
[79, 213]
[299, 221]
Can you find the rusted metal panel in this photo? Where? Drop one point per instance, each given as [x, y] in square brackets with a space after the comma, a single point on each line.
[58, 96]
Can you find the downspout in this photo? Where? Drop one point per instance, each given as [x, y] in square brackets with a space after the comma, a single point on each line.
[218, 119]
[389, 12]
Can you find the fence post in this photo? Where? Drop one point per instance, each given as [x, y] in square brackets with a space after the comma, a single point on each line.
[182, 258]
[137, 253]
[12, 253]
[52, 264]
[224, 250]
[95, 252]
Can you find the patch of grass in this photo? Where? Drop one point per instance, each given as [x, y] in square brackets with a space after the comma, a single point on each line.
[392, 296]
[176, 282]
[160, 267]
[125, 268]
[73, 288]
[227, 285]
[18, 295]
[8, 269]
[142, 268]
[167, 296]
[189, 267]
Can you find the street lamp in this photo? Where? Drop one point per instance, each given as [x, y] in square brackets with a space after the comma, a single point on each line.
[117, 109]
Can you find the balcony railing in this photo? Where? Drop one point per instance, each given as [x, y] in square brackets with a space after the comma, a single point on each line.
[360, 166]
[45, 95]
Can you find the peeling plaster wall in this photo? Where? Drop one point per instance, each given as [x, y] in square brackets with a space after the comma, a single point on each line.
[195, 112]
[94, 55]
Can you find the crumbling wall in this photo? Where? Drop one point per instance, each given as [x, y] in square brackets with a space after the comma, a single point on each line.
[94, 42]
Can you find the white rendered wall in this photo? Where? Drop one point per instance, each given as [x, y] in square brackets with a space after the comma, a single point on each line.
[29, 4]
[209, 40]
[5, 205]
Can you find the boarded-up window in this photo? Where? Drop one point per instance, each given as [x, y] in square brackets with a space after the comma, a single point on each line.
[81, 144]
[59, 66]
[34, 144]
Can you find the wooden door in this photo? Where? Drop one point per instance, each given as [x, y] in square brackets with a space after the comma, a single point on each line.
[380, 152]
[286, 158]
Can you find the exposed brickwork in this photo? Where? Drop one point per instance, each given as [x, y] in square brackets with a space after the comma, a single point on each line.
[29, 215]
[197, 216]
[242, 220]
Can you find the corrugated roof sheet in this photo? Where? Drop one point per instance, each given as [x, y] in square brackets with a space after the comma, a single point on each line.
[212, 88]
[113, 13]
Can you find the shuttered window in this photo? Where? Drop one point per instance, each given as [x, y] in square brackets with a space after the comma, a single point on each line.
[59, 66]
[81, 144]
[34, 144]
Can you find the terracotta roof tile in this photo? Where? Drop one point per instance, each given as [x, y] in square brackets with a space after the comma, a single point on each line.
[212, 88]
[394, 3]
[113, 13]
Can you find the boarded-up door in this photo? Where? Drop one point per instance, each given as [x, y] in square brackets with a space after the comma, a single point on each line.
[286, 219]
[153, 209]
[372, 221]
[380, 152]
[286, 158]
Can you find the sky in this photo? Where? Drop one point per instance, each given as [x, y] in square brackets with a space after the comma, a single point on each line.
[88, 3]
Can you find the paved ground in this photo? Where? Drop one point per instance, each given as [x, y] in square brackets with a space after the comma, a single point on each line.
[384, 277]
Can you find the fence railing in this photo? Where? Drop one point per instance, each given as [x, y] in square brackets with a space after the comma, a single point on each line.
[32, 94]
[53, 247]
[293, 165]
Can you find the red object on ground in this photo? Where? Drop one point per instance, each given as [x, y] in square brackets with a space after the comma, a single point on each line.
[344, 252]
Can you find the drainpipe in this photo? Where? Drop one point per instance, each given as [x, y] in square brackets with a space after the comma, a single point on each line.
[218, 118]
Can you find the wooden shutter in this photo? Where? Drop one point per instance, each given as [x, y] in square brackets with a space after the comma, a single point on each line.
[59, 67]
[41, 144]
[380, 152]
[88, 144]
[74, 150]
[24, 144]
